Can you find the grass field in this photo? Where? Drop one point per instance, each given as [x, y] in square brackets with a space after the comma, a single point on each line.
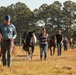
[54, 65]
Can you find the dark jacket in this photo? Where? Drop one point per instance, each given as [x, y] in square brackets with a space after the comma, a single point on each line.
[59, 38]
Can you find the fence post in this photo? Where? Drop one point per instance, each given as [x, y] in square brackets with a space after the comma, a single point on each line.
[20, 40]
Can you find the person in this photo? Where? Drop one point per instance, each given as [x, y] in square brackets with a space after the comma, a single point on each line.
[73, 43]
[8, 33]
[43, 38]
[65, 43]
[59, 42]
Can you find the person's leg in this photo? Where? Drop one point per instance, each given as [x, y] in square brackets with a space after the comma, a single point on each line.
[45, 51]
[58, 47]
[41, 51]
[9, 53]
[3, 52]
[64, 47]
[4, 57]
[9, 57]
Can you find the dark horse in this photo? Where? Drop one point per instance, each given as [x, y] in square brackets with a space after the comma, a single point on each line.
[28, 44]
[52, 44]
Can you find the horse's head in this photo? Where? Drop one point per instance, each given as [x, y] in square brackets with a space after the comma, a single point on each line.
[31, 38]
[52, 41]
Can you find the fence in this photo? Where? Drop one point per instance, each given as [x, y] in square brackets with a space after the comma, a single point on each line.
[18, 41]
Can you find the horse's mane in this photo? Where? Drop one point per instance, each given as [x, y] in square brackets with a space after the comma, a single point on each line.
[28, 37]
[53, 38]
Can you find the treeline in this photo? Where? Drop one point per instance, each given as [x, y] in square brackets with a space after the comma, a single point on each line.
[53, 17]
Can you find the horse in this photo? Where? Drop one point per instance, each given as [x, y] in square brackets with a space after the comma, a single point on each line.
[52, 44]
[0, 52]
[70, 42]
[29, 39]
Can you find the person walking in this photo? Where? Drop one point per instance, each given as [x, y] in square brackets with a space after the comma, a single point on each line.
[59, 42]
[65, 43]
[43, 37]
[8, 33]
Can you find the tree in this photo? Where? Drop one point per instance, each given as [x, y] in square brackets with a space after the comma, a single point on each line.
[23, 14]
[68, 17]
[2, 13]
[53, 13]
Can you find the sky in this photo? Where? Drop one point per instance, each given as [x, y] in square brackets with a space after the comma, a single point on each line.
[32, 4]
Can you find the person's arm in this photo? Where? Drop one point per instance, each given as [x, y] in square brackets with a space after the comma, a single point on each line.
[0, 34]
[14, 33]
[47, 35]
[61, 39]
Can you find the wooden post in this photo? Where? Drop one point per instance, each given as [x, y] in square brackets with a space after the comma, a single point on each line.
[20, 40]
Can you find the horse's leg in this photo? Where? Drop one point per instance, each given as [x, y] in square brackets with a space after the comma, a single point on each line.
[32, 51]
[28, 51]
[0, 54]
[50, 50]
[53, 50]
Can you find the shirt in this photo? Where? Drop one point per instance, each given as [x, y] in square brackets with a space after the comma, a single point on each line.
[59, 38]
[43, 38]
[8, 31]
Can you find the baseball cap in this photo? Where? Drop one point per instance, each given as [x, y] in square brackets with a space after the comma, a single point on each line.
[7, 17]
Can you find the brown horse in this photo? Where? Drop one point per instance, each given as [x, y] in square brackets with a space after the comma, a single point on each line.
[0, 52]
[52, 44]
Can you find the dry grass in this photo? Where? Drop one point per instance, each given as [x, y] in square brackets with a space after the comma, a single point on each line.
[54, 65]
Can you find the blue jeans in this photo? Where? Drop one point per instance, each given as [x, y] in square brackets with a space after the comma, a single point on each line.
[6, 47]
[43, 48]
[59, 46]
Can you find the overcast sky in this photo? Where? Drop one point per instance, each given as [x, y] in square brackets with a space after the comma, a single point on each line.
[32, 4]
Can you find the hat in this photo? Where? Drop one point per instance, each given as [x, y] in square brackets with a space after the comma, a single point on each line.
[7, 17]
